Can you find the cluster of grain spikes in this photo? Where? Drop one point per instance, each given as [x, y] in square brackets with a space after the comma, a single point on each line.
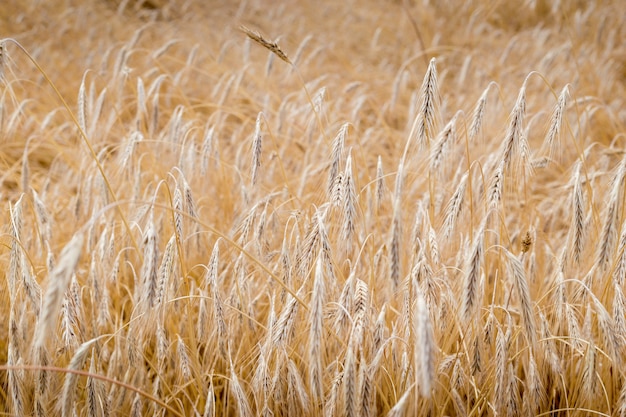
[490, 280]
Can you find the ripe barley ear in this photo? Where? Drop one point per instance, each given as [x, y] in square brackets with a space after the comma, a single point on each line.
[269, 45]
[58, 282]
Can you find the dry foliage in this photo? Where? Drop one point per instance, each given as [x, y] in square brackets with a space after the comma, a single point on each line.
[401, 210]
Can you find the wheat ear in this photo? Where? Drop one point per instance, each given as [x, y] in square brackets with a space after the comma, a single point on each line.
[3, 58]
[553, 136]
[269, 45]
[239, 395]
[430, 99]
[454, 206]
[516, 270]
[577, 228]
[424, 347]
[337, 157]
[349, 211]
[479, 113]
[257, 143]
[472, 285]
[511, 142]
[315, 334]
[69, 386]
[609, 229]
[58, 282]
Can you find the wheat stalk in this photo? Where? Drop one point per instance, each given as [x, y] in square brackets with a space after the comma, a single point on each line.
[279, 281]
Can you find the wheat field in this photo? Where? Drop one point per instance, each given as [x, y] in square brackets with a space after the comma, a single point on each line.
[352, 208]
